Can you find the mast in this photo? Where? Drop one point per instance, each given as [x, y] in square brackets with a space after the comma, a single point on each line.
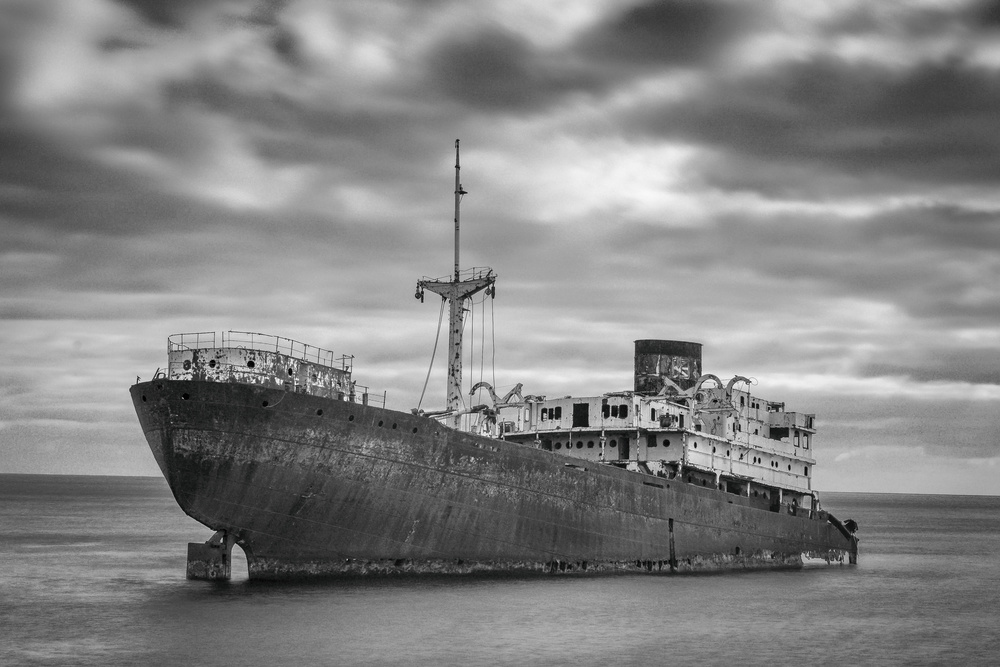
[455, 290]
[458, 205]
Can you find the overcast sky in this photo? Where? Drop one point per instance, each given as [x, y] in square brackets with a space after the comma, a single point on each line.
[808, 189]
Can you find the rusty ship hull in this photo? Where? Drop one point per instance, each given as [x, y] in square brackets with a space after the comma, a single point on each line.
[313, 486]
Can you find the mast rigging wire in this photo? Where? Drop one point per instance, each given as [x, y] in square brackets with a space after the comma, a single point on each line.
[433, 353]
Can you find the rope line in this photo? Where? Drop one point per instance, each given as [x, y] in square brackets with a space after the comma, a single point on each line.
[433, 354]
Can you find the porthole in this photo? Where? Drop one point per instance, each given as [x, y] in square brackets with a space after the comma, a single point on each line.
[558, 445]
[264, 404]
[614, 443]
[590, 444]
[380, 422]
[713, 450]
[250, 364]
[394, 427]
[211, 364]
[187, 364]
[319, 413]
[696, 445]
[350, 418]
[414, 429]
[579, 444]
[789, 466]
[666, 442]
[291, 372]
[727, 453]
[806, 469]
[143, 398]
[185, 397]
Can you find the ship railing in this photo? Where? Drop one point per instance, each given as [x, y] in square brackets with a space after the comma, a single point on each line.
[365, 397]
[190, 341]
[475, 273]
[288, 347]
[261, 342]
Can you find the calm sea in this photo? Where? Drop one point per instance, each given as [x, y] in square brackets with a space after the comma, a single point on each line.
[92, 573]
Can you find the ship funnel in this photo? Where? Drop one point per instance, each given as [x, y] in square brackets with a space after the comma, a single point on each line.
[656, 360]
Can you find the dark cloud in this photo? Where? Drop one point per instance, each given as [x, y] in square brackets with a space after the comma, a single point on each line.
[935, 264]
[933, 122]
[986, 13]
[495, 69]
[166, 14]
[973, 365]
[667, 33]
[82, 196]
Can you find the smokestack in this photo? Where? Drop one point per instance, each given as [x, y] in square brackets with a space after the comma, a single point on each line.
[655, 360]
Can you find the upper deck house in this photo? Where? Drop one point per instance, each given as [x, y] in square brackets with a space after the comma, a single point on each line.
[678, 423]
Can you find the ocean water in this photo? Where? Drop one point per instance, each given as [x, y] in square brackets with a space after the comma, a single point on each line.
[92, 572]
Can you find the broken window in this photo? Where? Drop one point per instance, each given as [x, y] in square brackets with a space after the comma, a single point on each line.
[581, 415]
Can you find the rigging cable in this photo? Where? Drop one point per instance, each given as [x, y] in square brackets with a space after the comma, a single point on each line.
[433, 353]
[482, 339]
[472, 342]
[493, 343]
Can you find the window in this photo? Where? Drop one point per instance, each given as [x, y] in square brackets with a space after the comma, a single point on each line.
[545, 414]
[581, 415]
[558, 412]
[652, 414]
[605, 410]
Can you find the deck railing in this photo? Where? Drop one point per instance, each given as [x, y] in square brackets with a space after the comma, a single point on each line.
[262, 342]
